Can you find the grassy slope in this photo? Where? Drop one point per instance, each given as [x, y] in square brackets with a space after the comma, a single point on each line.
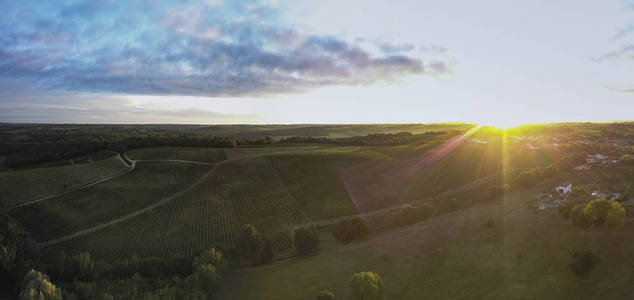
[314, 178]
[235, 194]
[25, 185]
[148, 183]
[525, 255]
[201, 154]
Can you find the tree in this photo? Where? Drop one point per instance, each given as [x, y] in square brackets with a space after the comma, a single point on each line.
[616, 215]
[38, 286]
[583, 262]
[326, 295]
[366, 286]
[206, 278]
[349, 230]
[425, 211]
[579, 217]
[211, 257]
[448, 205]
[306, 241]
[253, 247]
[598, 209]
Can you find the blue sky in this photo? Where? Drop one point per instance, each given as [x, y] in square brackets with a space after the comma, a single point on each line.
[214, 61]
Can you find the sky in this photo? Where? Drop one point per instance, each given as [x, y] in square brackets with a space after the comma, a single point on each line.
[492, 62]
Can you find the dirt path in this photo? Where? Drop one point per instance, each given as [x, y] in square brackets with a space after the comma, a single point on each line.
[308, 224]
[177, 160]
[82, 186]
[128, 216]
[146, 209]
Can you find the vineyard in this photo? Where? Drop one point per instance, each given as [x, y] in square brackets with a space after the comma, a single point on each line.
[242, 192]
[22, 186]
[148, 183]
[200, 154]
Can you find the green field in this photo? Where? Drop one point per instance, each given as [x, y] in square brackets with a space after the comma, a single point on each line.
[233, 195]
[148, 183]
[25, 185]
[525, 254]
[273, 188]
[199, 154]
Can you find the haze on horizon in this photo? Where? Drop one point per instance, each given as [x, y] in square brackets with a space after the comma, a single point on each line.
[227, 62]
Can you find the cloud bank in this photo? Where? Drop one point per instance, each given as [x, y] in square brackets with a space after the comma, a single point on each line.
[208, 48]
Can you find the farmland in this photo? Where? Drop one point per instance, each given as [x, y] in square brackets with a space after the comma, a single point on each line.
[21, 186]
[525, 254]
[179, 153]
[148, 183]
[176, 202]
[211, 214]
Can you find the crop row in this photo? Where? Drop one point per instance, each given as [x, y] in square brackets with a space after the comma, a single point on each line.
[209, 215]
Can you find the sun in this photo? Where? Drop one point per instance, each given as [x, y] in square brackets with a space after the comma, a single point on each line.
[504, 125]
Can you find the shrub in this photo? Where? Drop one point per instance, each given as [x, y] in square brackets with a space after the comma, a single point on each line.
[206, 278]
[425, 211]
[598, 209]
[326, 295]
[350, 230]
[616, 215]
[447, 205]
[73, 267]
[580, 218]
[38, 286]
[252, 246]
[306, 241]
[211, 257]
[584, 262]
[407, 215]
[366, 286]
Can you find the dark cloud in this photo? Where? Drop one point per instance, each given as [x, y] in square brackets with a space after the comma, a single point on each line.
[240, 49]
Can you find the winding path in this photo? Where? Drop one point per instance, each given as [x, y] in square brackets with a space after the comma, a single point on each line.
[216, 165]
[127, 216]
[82, 186]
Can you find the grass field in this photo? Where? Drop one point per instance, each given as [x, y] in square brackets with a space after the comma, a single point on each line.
[200, 154]
[24, 185]
[525, 254]
[148, 183]
[236, 193]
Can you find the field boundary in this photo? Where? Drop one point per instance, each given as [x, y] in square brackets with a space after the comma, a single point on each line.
[176, 160]
[128, 216]
[129, 168]
[395, 207]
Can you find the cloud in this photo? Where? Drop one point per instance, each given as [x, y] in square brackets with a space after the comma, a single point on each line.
[211, 48]
[101, 109]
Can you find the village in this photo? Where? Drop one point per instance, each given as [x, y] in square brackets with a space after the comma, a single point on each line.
[566, 191]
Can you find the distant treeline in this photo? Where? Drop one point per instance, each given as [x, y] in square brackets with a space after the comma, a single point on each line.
[46, 148]
[373, 139]
[34, 152]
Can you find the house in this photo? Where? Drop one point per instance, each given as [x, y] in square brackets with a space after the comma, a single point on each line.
[564, 188]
